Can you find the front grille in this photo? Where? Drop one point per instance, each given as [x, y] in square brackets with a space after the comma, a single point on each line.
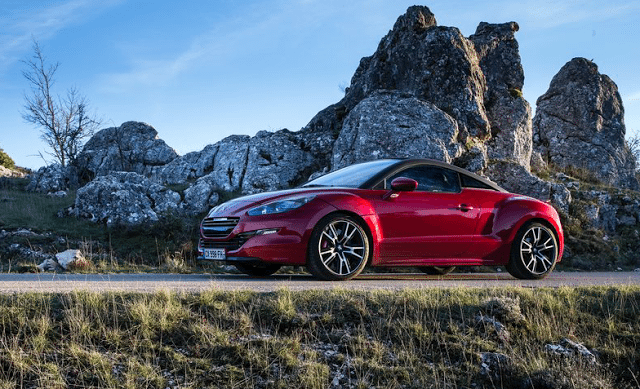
[218, 227]
[231, 245]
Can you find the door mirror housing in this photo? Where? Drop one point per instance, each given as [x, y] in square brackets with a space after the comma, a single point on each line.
[403, 184]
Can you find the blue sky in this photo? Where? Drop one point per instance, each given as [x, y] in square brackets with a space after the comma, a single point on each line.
[199, 71]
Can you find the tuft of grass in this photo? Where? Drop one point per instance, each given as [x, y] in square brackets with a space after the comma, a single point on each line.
[418, 338]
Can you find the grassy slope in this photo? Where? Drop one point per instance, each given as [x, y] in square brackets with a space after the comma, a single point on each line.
[169, 245]
[427, 338]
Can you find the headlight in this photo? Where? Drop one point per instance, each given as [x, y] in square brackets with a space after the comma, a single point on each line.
[280, 206]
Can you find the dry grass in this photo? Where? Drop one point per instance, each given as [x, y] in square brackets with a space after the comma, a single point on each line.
[426, 338]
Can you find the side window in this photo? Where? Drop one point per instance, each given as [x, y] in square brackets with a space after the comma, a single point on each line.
[469, 182]
[431, 178]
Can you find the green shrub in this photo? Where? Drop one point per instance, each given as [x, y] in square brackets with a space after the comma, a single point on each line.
[6, 161]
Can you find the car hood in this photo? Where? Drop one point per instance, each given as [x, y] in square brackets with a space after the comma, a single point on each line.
[240, 205]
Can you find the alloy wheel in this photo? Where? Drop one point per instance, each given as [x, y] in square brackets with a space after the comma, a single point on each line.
[343, 247]
[538, 250]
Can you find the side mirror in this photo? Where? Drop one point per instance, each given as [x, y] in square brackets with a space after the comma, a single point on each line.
[403, 184]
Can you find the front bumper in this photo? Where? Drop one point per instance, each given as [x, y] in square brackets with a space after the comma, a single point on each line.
[285, 241]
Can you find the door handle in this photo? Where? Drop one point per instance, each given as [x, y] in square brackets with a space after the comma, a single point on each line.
[464, 207]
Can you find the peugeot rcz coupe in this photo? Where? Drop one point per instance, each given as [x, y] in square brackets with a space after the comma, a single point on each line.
[385, 213]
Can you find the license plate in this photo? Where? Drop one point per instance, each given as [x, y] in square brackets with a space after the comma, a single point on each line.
[215, 254]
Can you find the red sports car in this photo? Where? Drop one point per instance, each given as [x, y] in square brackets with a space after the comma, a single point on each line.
[390, 212]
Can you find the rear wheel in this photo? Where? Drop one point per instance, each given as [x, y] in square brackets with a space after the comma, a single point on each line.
[436, 270]
[534, 252]
[257, 269]
[338, 249]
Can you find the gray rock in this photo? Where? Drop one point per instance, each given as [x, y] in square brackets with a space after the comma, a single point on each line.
[276, 161]
[435, 64]
[538, 164]
[393, 124]
[124, 198]
[201, 196]
[190, 166]
[475, 159]
[230, 163]
[132, 147]
[515, 178]
[495, 365]
[493, 327]
[571, 349]
[69, 258]
[49, 264]
[579, 122]
[58, 194]
[508, 112]
[53, 178]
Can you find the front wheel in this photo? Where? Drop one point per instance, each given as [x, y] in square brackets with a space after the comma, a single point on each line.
[534, 252]
[257, 269]
[338, 249]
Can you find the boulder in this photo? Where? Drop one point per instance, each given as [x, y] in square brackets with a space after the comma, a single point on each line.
[508, 112]
[70, 258]
[132, 147]
[579, 123]
[124, 198]
[53, 178]
[394, 124]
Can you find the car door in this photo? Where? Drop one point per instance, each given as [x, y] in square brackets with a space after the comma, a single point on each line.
[437, 220]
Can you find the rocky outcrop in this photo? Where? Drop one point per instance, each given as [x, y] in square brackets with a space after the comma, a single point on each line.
[132, 147]
[53, 178]
[6, 172]
[395, 124]
[187, 167]
[275, 161]
[124, 198]
[579, 123]
[436, 64]
[508, 112]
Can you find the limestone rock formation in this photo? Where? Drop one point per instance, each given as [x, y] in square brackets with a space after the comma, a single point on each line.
[187, 167]
[579, 122]
[124, 198]
[508, 112]
[53, 178]
[393, 124]
[436, 64]
[132, 147]
[275, 161]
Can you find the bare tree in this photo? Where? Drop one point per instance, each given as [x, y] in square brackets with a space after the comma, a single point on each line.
[64, 122]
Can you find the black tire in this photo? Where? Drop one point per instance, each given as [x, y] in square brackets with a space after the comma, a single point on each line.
[339, 248]
[436, 270]
[257, 269]
[534, 252]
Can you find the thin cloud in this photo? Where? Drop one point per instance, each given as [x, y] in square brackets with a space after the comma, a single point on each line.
[20, 26]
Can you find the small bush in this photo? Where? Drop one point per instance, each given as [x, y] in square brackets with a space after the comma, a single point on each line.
[6, 161]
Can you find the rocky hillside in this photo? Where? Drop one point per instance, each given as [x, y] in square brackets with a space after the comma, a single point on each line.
[427, 91]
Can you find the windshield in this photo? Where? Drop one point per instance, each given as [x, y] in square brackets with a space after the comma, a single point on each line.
[353, 176]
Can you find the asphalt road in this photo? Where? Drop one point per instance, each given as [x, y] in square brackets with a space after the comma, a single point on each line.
[48, 282]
